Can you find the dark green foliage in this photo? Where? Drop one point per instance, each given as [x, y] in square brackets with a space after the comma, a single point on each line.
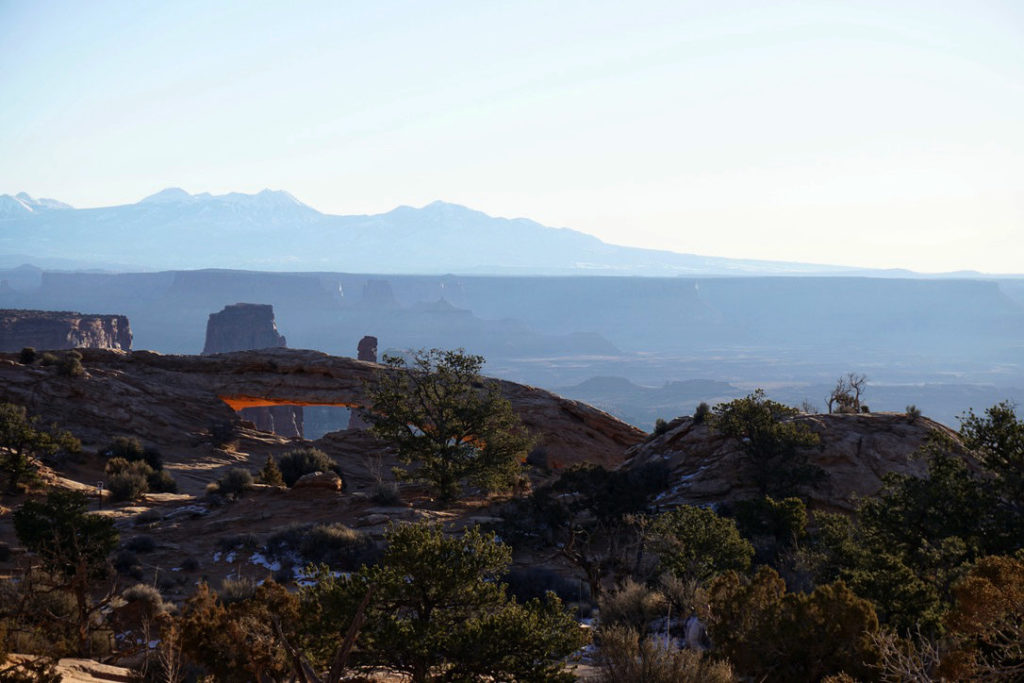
[700, 415]
[48, 359]
[235, 481]
[223, 433]
[773, 526]
[23, 442]
[161, 481]
[660, 427]
[913, 412]
[27, 356]
[64, 535]
[72, 547]
[773, 443]
[127, 485]
[695, 543]
[447, 421]
[438, 610]
[300, 461]
[131, 449]
[130, 479]
[591, 514]
[997, 440]
[271, 473]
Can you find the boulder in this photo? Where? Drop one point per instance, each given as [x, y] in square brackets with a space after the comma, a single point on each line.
[328, 481]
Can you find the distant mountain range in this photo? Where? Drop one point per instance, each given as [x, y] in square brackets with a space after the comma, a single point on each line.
[272, 230]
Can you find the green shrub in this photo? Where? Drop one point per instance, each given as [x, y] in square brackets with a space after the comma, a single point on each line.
[223, 433]
[300, 461]
[632, 604]
[701, 413]
[131, 449]
[626, 655]
[48, 359]
[71, 365]
[161, 481]
[386, 493]
[127, 485]
[27, 356]
[237, 590]
[271, 473]
[660, 426]
[913, 412]
[235, 481]
[337, 545]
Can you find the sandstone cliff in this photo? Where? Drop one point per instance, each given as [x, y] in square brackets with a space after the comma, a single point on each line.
[855, 450]
[242, 327]
[53, 330]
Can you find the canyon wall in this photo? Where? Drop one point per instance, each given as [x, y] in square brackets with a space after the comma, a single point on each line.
[52, 330]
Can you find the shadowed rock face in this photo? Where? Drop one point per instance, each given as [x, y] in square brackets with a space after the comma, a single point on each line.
[172, 400]
[855, 450]
[54, 330]
[242, 327]
[367, 349]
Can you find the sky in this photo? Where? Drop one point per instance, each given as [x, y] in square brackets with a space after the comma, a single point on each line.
[874, 134]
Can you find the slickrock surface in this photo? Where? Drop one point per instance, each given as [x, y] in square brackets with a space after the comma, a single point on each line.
[172, 400]
[855, 450]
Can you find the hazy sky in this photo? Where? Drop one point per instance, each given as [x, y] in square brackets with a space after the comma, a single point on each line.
[863, 133]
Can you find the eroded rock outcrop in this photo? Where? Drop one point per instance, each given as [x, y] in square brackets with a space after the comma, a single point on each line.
[242, 327]
[856, 451]
[172, 400]
[54, 330]
[245, 327]
[367, 349]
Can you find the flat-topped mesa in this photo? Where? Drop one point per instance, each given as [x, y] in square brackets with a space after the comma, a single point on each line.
[242, 327]
[55, 330]
[247, 327]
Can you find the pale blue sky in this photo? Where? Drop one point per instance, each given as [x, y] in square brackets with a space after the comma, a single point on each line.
[861, 133]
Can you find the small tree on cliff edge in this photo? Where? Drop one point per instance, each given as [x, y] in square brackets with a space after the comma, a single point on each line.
[443, 417]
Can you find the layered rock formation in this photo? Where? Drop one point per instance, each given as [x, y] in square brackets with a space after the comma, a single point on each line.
[172, 400]
[244, 327]
[856, 451]
[53, 330]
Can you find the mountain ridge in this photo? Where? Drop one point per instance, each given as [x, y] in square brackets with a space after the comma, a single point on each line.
[273, 230]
